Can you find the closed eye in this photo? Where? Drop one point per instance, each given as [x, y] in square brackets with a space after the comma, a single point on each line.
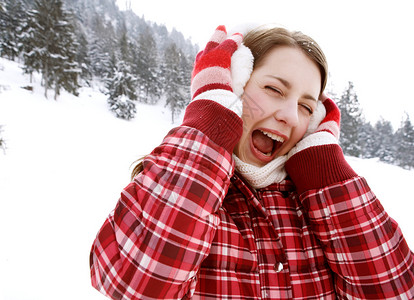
[307, 108]
[273, 89]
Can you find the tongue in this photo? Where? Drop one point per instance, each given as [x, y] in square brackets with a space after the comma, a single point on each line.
[262, 142]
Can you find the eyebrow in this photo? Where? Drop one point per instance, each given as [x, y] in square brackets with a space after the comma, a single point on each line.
[288, 85]
[283, 81]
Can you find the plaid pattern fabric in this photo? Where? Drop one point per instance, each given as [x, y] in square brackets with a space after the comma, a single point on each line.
[187, 227]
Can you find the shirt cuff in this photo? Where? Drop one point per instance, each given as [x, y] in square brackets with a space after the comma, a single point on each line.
[318, 167]
[221, 125]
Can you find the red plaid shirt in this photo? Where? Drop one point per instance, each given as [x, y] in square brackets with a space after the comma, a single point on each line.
[188, 227]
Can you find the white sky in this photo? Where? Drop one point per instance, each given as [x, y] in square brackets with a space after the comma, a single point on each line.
[367, 42]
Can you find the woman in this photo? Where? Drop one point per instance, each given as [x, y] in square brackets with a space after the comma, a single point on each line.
[264, 208]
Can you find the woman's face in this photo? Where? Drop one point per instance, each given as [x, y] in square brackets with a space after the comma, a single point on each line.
[278, 101]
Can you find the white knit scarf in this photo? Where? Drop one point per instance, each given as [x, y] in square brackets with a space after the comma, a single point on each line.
[260, 177]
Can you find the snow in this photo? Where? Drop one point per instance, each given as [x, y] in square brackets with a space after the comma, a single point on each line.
[65, 164]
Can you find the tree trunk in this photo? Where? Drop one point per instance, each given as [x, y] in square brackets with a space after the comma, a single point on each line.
[172, 115]
[56, 90]
[46, 79]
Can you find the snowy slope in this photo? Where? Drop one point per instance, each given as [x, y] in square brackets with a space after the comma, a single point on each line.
[62, 173]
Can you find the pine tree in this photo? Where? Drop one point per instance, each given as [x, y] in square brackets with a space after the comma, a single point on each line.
[384, 141]
[99, 57]
[366, 139]
[124, 47]
[70, 50]
[66, 74]
[146, 67]
[12, 19]
[186, 67]
[123, 107]
[121, 91]
[51, 46]
[31, 55]
[351, 122]
[173, 85]
[82, 57]
[405, 142]
[102, 46]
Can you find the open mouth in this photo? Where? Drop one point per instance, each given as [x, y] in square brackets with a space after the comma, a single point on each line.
[266, 144]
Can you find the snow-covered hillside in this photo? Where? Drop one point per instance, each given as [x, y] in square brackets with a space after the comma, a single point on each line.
[65, 165]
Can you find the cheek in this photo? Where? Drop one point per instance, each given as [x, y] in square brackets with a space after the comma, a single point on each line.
[295, 136]
[300, 130]
[257, 105]
[252, 106]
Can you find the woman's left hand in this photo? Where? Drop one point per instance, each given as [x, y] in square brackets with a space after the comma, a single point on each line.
[317, 161]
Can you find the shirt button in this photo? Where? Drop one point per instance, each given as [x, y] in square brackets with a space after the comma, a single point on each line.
[278, 267]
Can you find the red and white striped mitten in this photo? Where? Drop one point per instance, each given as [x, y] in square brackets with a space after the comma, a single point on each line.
[213, 78]
[216, 108]
[317, 161]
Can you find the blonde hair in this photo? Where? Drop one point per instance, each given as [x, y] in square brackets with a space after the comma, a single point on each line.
[263, 39]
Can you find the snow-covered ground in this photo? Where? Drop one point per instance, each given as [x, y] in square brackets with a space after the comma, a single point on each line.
[65, 164]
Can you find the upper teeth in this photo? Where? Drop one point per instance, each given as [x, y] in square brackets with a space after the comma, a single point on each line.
[273, 136]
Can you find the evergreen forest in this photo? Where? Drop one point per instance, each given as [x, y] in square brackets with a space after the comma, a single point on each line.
[75, 43]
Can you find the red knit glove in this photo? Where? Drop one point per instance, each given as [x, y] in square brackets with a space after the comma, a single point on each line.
[317, 160]
[215, 109]
[211, 77]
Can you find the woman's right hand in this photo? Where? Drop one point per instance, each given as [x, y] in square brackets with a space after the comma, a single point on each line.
[211, 76]
[215, 108]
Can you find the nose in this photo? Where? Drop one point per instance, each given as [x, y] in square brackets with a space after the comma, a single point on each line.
[287, 112]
